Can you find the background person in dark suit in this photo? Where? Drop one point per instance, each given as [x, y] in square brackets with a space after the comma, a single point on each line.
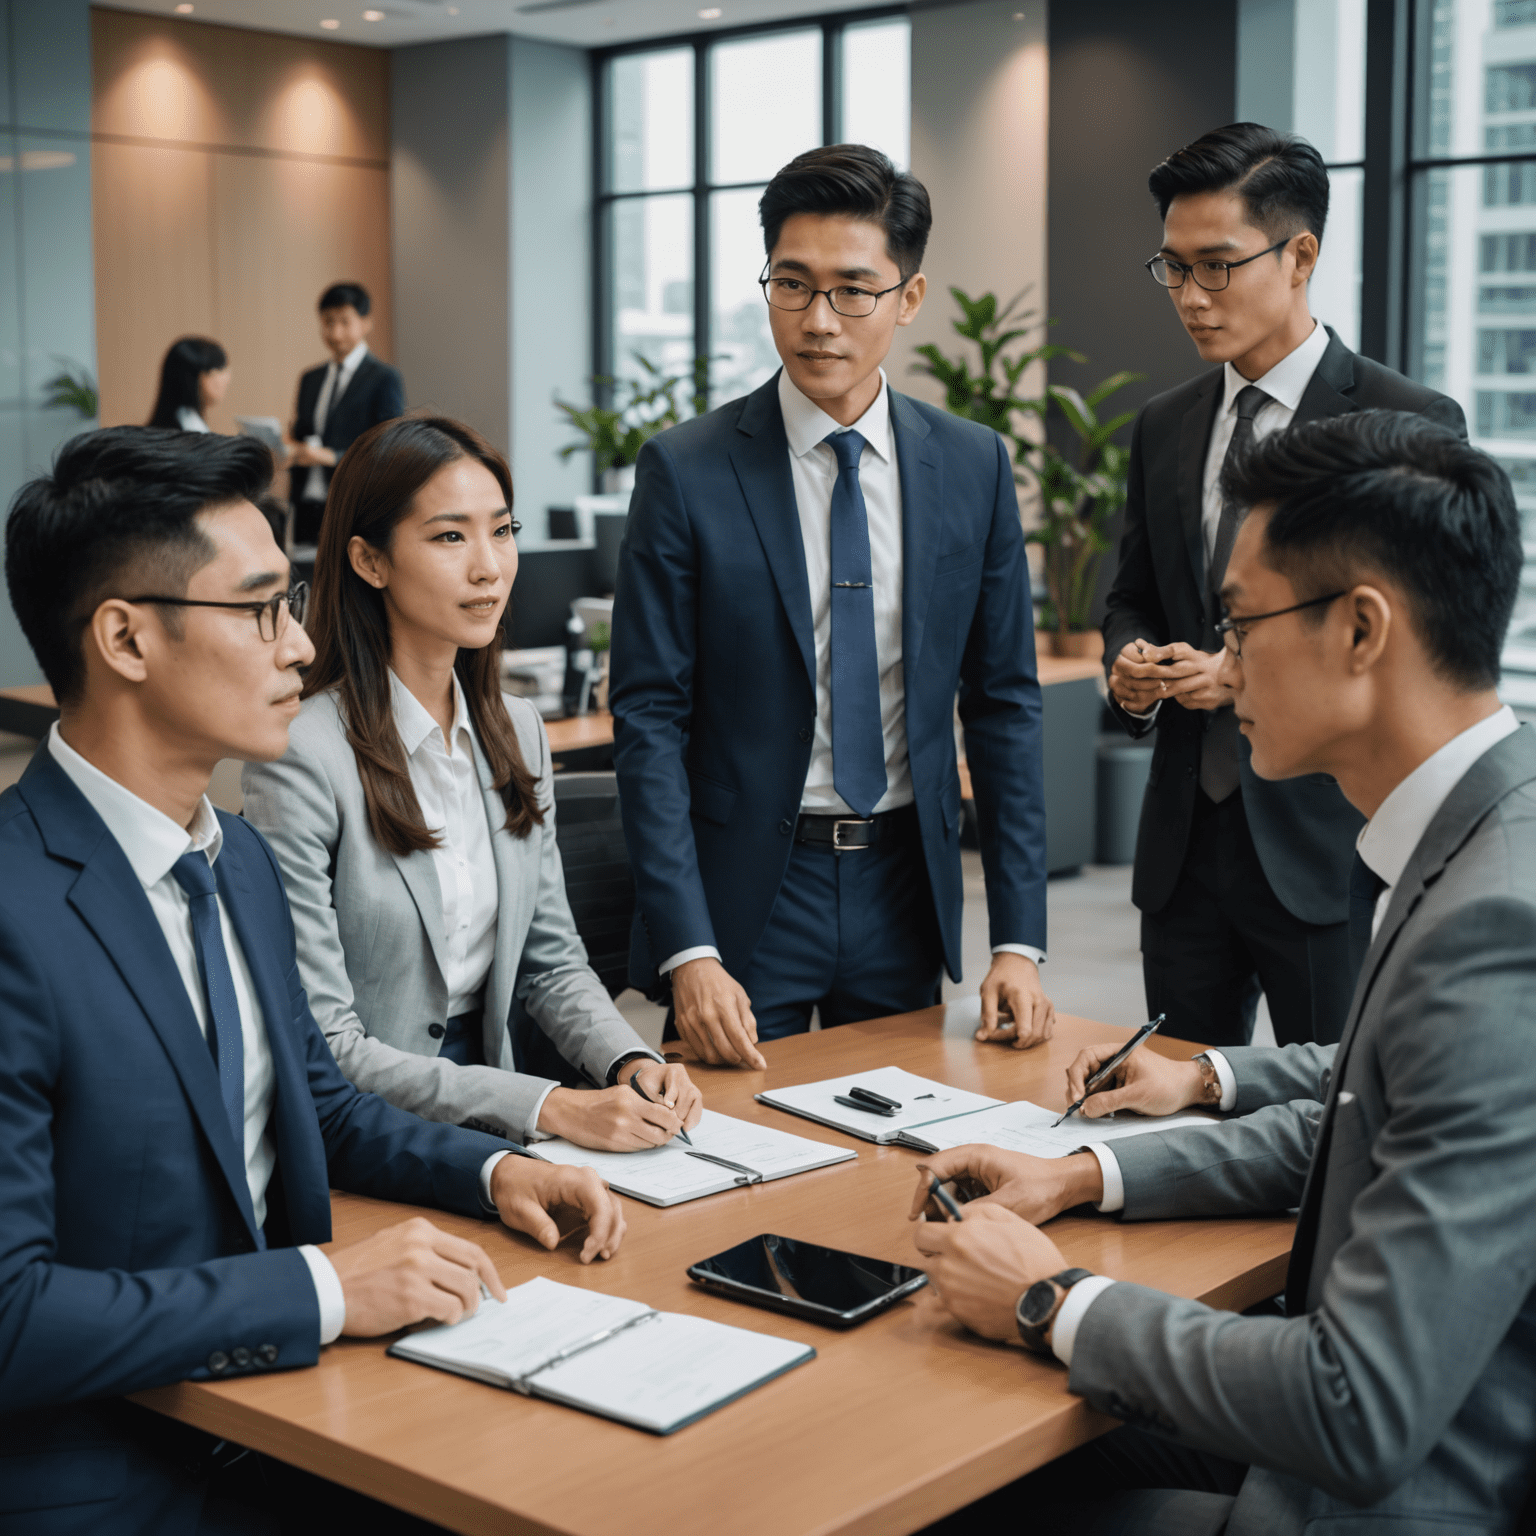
[808, 577]
[338, 402]
[1243, 885]
[171, 1118]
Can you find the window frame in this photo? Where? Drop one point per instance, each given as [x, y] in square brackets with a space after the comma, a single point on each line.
[832, 27]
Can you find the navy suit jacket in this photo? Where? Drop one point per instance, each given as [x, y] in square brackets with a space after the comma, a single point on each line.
[714, 666]
[128, 1251]
[375, 393]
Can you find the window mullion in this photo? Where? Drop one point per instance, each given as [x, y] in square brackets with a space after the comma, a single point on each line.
[702, 150]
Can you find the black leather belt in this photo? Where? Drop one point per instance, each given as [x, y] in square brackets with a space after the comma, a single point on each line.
[843, 834]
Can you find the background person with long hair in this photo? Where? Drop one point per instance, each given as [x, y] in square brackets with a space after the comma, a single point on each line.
[193, 379]
[413, 818]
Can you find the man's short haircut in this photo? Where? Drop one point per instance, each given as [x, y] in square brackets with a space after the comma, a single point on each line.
[116, 518]
[861, 182]
[1387, 493]
[1279, 176]
[339, 295]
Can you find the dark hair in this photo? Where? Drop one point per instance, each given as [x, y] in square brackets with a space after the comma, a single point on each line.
[116, 517]
[371, 491]
[855, 180]
[1280, 177]
[339, 295]
[1392, 493]
[186, 362]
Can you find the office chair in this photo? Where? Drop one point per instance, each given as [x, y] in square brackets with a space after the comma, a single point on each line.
[598, 882]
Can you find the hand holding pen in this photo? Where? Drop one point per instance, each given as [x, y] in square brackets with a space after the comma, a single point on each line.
[634, 1082]
[1105, 1075]
[1147, 1082]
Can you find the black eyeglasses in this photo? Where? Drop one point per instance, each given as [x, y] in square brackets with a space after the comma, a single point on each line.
[848, 300]
[268, 612]
[1213, 276]
[1236, 626]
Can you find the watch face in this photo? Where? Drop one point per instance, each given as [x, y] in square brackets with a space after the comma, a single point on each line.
[1036, 1303]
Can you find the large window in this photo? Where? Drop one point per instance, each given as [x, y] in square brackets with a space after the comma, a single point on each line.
[1471, 261]
[690, 131]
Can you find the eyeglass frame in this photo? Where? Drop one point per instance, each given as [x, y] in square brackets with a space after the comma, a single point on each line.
[1233, 623]
[825, 293]
[1187, 269]
[297, 596]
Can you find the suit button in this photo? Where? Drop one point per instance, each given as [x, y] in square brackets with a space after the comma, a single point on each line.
[1189, 773]
[218, 1362]
[242, 1357]
[806, 733]
[267, 1354]
[436, 1031]
[785, 829]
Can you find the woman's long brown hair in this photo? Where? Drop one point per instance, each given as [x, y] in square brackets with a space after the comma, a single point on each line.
[371, 491]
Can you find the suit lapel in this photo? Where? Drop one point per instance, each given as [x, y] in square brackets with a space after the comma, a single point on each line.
[1194, 443]
[920, 466]
[1328, 392]
[420, 876]
[509, 922]
[760, 456]
[110, 901]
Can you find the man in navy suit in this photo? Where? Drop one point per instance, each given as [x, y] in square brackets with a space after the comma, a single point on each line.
[171, 1119]
[809, 577]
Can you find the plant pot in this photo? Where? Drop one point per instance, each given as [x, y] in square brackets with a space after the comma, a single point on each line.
[620, 481]
[1078, 644]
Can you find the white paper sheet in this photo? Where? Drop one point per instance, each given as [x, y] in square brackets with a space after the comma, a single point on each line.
[1026, 1127]
[922, 1101]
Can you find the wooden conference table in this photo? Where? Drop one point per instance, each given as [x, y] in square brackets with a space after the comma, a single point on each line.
[894, 1424]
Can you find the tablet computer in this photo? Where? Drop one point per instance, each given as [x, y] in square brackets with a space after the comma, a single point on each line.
[807, 1280]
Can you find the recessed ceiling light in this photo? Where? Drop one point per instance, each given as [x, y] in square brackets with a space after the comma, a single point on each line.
[710, 13]
[453, 10]
[373, 15]
[330, 26]
[1018, 15]
[183, 10]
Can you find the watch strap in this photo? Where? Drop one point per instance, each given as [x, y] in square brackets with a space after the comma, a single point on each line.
[1034, 1329]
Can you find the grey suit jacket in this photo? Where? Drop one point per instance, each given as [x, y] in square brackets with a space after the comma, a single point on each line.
[1399, 1395]
[370, 932]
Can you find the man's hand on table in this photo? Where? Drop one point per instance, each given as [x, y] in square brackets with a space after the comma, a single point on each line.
[1014, 1006]
[1144, 675]
[618, 1119]
[714, 1015]
[412, 1273]
[1035, 1188]
[1146, 1082]
[526, 1191]
[979, 1267]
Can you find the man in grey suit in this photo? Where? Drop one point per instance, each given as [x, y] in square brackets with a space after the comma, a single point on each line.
[1368, 594]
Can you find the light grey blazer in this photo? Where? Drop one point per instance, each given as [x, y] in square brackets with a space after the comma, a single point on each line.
[1398, 1398]
[370, 934]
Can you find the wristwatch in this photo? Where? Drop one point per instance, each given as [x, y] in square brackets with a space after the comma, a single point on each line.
[1210, 1082]
[624, 1061]
[1038, 1306]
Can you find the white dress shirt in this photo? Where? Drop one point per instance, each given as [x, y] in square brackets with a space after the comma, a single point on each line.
[1386, 844]
[152, 843]
[337, 377]
[189, 420]
[813, 471]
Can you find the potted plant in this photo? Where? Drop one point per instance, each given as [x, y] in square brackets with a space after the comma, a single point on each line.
[1078, 499]
[73, 389]
[614, 437]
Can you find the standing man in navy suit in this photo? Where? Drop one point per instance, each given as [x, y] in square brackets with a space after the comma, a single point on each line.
[810, 575]
[171, 1118]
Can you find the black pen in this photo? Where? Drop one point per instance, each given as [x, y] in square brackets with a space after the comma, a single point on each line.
[951, 1210]
[1107, 1070]
[634, 1082]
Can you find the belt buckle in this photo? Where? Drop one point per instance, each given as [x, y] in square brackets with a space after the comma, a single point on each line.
[849, 821]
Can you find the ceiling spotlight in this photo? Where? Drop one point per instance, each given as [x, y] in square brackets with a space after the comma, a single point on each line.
[710, 13]
[373, 15]
[453, 10]
[183, 10]
[330, 26]
[1018, 15]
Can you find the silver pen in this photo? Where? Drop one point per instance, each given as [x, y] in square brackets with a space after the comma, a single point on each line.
[1107, 1070]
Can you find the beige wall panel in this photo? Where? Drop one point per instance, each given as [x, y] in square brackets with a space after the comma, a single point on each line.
[154, 267]
[157, 78]
[286, 229]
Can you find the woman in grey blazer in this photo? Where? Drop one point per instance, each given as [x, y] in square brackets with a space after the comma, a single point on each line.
[413, 818]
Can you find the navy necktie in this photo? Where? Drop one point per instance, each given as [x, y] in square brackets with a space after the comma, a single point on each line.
[194, 874]
[858, 742]
[1365, 885]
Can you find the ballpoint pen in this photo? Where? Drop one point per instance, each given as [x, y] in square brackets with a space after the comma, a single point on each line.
[1107, 1070]
[945, 1200]
[635, 1084]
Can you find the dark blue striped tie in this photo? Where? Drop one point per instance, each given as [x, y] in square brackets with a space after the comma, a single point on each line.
[858, 742]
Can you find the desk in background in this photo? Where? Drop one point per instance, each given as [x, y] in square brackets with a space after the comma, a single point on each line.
[897, 1422]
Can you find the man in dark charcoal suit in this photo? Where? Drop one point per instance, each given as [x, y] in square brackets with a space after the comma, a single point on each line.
[1367, 598]
[171, 1118]
[1242, 884]
[338, 402]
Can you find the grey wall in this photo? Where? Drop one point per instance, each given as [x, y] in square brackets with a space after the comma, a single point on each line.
[491, 231]
[47, 282]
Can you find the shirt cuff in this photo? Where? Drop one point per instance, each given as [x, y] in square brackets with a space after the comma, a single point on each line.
[698, 952]
[1114, 1184]
[627, 1056]
[1027, 950]
[531, 1131]
[1146, 714]
[486, 1169]
[1227, 1078]
[328, 1292]
[1070, 1317]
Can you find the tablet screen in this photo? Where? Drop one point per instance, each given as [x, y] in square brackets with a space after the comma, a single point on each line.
[806, 1272]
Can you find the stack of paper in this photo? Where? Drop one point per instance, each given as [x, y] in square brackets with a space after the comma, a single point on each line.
[619, 1358]
[1025, 1127]
[671, 1174]
[922, 1102]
